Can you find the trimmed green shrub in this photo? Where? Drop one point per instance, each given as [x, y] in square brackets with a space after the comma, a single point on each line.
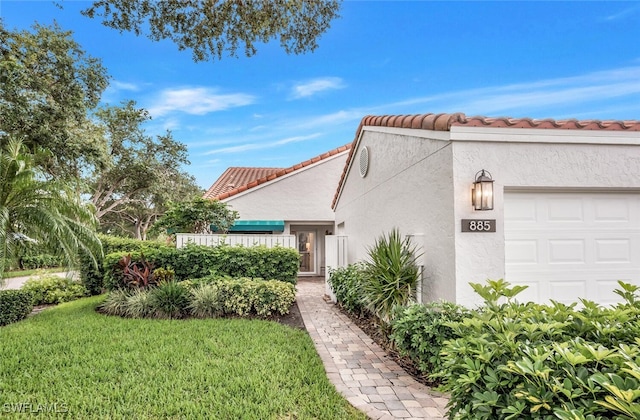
[169, 300]
[32, 262]
[213, 297]
[15, 305]
[515, 360]
[93, 277]
[419, 331]
[390, 275]
[193, 262]
[53, 289]
[273, 297]
[346, 283]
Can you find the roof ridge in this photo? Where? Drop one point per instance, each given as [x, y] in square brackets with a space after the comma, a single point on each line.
[444, 122]
[280, 172]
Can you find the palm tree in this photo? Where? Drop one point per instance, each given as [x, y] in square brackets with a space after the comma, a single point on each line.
[37, 210]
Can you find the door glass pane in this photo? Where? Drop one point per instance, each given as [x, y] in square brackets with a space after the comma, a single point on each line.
[307, 249]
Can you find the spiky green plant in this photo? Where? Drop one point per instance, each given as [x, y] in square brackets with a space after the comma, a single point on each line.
[139, 304]
[170, 300]
[116, 303]
[390, 274]
[205, 301]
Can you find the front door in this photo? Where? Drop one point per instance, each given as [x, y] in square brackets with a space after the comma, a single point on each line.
[307, 249]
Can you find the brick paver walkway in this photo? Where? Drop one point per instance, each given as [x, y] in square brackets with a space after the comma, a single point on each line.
[358, 367]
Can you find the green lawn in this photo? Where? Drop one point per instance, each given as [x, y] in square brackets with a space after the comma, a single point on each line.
[96, 366]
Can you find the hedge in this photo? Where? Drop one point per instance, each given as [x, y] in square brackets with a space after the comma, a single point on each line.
[15, 305]
[194, 261]
[212, 297]
[93, 277]
[513, 360]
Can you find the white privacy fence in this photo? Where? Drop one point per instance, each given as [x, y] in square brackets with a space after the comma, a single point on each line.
[270, 241]
[335, 257]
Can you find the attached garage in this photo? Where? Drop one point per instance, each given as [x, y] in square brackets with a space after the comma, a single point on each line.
[565, 245]
[565, 219]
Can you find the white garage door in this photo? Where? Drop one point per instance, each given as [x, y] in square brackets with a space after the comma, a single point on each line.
[566, 246]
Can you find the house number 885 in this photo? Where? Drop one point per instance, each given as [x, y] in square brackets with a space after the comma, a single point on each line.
[479, 225]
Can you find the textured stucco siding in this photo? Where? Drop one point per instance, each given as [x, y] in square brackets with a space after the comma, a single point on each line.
[408, 186]
[304, 195]
[526, 166]
[420, 181]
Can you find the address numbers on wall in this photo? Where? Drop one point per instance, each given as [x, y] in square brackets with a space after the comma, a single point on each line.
[478, 225]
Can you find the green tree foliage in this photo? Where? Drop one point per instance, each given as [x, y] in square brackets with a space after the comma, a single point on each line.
[136, 218]
[47, 85]
[140, 173]
[36, 210]
[213, 28]
[197, 216]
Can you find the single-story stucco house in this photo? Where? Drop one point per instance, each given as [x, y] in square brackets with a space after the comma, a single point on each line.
[560, 211]
[291, 201]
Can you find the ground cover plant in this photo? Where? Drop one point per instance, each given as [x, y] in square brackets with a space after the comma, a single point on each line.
[111, 367]
[202, 298]
[514, 360]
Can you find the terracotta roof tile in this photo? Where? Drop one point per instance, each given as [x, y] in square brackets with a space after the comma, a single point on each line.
[235, 177]
[444, 122]
[251, 180]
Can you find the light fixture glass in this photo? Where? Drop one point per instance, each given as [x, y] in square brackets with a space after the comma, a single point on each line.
[482, 191]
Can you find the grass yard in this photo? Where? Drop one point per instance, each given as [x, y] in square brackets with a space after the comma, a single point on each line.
[93, 366]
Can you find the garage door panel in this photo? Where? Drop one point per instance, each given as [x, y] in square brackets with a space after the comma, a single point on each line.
[565, 210]
[572, 245]
[567, 291]
[616, 251]
[520, 210]
[612, 210]
[522, 252]
[566, 251]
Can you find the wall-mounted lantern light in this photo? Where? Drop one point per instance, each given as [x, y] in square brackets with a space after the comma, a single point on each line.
[482, 191]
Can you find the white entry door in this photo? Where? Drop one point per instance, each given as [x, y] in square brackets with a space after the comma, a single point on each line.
[571, 245]
[307, 249]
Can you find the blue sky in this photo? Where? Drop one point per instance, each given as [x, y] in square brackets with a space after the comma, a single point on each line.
[578, 59]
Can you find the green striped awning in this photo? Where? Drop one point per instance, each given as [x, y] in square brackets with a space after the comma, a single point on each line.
[256, 226]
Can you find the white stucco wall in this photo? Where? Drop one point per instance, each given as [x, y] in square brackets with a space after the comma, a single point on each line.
[526, 160]
[302, 196]
[408, 186]
[420, 181]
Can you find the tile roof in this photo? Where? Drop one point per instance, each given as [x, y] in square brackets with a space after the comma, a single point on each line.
[444, 122]
[251, 180]
[235, 177]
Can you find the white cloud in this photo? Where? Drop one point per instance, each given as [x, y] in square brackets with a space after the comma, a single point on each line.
[528, 97]
[622, 14]
[311, 87]
[118, 85]
[262, 146]
[197, 101]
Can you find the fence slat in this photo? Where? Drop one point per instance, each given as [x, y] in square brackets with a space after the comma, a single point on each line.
[270, 241]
